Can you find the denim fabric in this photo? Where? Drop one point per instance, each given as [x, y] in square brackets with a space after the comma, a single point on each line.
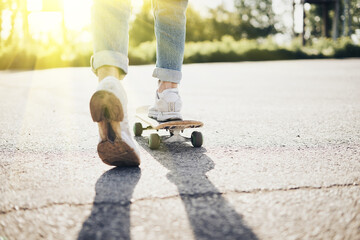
[110, 22]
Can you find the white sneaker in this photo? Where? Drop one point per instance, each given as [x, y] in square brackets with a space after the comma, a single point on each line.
[167, 106]
[108, 107]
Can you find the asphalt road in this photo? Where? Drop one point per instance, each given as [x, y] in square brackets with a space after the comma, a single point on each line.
[281, 158]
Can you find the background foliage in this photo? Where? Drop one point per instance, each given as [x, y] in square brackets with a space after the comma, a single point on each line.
[249, 32]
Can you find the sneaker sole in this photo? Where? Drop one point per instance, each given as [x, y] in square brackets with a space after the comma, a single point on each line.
[153, 114]
[106, 107]
[169, 116]
[164, 117]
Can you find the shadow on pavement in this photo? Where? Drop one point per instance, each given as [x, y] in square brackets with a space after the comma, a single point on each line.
[210, 215]
[110, 215]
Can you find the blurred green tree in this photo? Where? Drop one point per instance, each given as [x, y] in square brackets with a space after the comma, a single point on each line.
[223, 22]
[349, 18]
[217, 23]
[12, 6]
[25, 21]
[142, 28]
[257, 18]
[196, 26]
[314, 21]
[2, 8]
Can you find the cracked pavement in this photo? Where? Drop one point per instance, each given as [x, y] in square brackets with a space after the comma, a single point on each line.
[281, 157]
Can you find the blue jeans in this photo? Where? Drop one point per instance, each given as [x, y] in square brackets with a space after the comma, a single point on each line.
[110, 22]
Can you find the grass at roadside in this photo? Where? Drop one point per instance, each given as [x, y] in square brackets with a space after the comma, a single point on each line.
[225, 50]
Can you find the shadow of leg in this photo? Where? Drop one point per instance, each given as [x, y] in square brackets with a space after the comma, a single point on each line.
[209, 213]
[110, 215]
[212, 217]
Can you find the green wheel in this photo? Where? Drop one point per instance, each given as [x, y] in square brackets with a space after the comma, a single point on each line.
[196, 139]
[154, 141]
[138, 129]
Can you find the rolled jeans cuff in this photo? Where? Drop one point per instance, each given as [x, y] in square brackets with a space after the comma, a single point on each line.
[109, 58]
[167, 75]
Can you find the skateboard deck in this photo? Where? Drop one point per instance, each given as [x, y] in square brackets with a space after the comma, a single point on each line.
[172, 126]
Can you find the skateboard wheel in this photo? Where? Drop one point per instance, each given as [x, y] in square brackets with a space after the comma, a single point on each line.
[138, 129]
[196, 139]
[154, 141]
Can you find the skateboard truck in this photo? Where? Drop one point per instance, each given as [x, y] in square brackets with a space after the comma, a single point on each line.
[175, 136]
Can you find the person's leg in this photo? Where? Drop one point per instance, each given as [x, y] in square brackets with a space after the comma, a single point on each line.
[170, 28]
[108, 105]
[110, 25]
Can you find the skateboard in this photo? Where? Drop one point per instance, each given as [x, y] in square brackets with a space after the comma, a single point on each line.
[174, 127]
